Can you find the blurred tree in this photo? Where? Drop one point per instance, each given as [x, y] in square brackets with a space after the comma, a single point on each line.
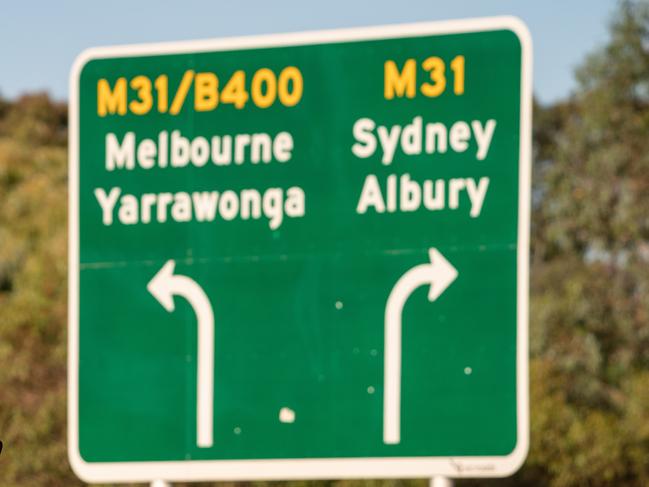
[35, 119]
[33, 248]
[590, 271]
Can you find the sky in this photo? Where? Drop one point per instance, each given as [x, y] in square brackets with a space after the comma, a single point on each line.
[40, 40]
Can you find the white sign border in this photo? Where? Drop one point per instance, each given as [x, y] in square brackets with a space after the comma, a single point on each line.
[321, 468]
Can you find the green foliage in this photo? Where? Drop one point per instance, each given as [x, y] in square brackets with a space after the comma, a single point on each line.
[34, 120]
[33, 248]
[590, 270]
[590, 282]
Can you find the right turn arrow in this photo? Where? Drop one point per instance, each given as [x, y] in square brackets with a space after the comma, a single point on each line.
[438, 274]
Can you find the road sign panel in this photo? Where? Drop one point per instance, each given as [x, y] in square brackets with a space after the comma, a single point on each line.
[302, 255]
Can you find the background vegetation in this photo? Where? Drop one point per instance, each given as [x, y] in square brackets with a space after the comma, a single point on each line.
[590, 281]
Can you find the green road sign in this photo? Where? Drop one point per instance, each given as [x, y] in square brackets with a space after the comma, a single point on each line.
[301, 255]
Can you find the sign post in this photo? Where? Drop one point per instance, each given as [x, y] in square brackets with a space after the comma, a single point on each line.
[301, 256]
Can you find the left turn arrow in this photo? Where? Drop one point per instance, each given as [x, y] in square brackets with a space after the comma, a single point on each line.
[164, 285]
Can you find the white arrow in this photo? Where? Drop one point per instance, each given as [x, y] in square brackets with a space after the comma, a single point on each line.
[439, 274]
[164, 285]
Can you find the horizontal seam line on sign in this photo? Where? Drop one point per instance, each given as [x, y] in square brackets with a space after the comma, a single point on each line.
[270, 257]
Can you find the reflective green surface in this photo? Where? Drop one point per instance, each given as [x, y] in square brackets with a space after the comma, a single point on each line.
[299, 310]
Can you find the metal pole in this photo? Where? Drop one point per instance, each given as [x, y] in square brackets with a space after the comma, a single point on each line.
[441, 482]
[160, 483]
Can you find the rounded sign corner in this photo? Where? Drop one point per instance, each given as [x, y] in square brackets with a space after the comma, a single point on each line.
[519, 28]
[78, 65]
[515, 460]
[80, 467]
